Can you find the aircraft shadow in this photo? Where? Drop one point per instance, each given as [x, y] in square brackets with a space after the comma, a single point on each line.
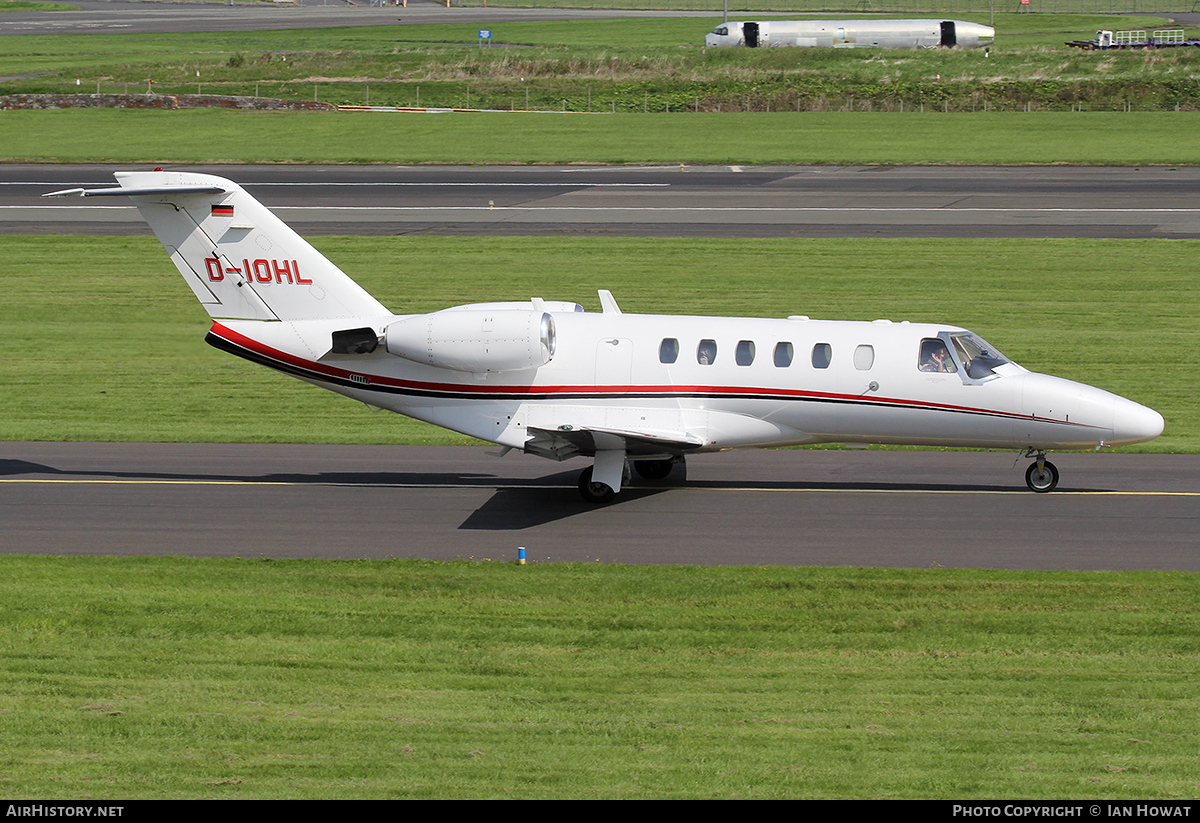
[515, 508]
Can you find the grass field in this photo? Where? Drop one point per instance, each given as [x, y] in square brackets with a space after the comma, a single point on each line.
[215, 135]
[28, 5]
[614, 65]
[111, 342]
[182, 678]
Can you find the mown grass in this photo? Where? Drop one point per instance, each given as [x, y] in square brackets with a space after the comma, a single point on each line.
[204, 678]
[29, 5]
[106, 343]
[217, 135]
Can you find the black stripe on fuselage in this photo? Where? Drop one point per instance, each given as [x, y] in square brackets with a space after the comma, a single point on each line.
[221, 343]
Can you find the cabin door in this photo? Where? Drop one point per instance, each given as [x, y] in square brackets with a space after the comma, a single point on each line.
[949, 38]
[750, 32]
[614, 362]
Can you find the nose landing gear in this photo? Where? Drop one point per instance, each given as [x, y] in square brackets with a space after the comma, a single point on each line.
[1042, 475]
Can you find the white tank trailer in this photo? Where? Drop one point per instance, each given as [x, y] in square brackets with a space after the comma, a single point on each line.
[852, 34]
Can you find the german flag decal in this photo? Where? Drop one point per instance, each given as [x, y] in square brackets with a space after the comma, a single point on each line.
[222, 211]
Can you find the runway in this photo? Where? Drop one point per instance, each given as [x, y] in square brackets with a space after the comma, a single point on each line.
[788, 507]
[670, 201]
[105, 17]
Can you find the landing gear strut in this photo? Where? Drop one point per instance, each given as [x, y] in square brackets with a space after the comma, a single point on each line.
[1042, 475]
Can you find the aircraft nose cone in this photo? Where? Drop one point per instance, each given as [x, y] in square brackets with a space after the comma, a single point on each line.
[1134, 423]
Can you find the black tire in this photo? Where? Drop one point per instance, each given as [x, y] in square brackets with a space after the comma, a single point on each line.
[1042, 481]
[597, 493]
[653, 469]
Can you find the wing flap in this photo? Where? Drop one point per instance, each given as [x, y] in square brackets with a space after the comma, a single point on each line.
[572, 441]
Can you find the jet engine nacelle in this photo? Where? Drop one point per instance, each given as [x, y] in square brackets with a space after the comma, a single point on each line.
[473, 340]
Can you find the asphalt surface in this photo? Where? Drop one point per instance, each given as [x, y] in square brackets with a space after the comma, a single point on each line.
[857, 508]
[661, 201]
[101, 17]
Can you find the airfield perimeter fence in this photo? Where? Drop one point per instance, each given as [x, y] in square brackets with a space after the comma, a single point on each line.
[739, 8]
[569, 98]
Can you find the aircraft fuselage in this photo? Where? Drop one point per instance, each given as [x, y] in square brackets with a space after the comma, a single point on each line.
[733, 382]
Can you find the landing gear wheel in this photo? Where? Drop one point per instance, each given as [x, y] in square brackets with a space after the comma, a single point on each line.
[653, 469]
[1042, 480]
[594, 492]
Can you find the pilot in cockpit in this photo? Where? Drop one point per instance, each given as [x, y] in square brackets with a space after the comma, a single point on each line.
[935, 357]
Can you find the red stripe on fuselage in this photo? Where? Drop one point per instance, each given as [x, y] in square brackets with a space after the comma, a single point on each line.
[318, 370]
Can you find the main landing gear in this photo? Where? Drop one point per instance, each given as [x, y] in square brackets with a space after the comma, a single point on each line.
[599, 493]
[653, 469]
[594, 491]
[1042, 475]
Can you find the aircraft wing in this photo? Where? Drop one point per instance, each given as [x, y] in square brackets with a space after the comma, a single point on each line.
[565, 442]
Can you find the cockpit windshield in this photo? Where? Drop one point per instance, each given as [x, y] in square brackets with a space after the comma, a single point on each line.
[977, 356]
[721, 30]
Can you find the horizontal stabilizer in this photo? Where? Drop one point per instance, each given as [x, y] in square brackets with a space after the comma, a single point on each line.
[131, 192]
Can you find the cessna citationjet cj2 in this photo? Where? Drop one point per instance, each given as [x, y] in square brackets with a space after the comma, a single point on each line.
[552, 380]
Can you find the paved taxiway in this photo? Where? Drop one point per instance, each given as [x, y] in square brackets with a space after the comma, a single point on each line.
[869, 508]
[853, 507]
[910, 509]
[699, 201]
[115, 17]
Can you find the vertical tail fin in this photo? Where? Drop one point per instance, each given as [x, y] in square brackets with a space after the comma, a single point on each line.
[240, 260]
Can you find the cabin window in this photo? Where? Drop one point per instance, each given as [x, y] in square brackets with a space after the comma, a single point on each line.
[864, 358]
[668, 350]
[745, 352]
[706, 352]
[935, 357]
[821, 356]
[784, 352]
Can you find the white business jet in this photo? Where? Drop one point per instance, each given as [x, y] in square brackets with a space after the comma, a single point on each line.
[552, 380]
